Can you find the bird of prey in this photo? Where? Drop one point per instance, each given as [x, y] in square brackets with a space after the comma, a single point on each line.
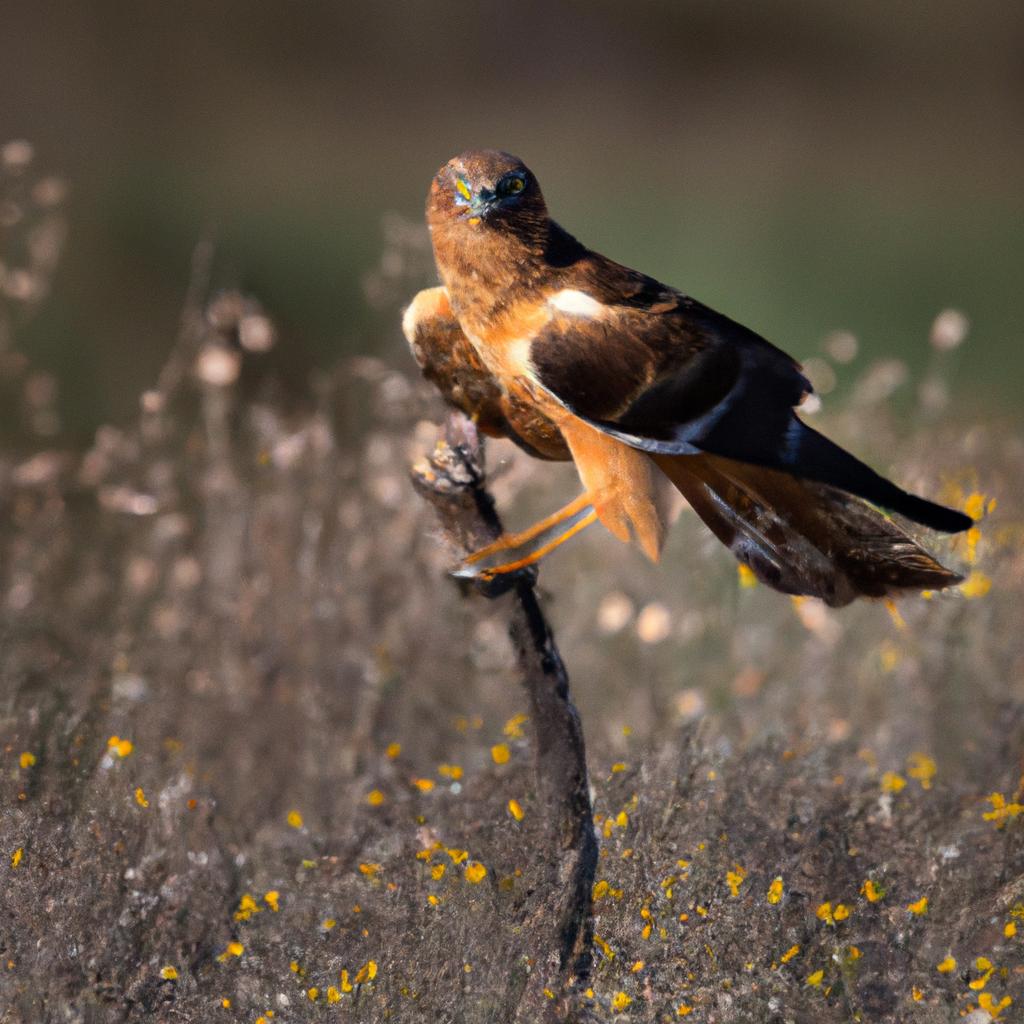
[574, 356]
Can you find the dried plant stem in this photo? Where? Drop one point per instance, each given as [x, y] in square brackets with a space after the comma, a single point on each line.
[452, 480]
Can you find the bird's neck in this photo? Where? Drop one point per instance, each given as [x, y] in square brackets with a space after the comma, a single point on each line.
[487, 271]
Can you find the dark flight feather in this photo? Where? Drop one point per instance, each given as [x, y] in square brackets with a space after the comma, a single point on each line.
[802, 537]
[697, 381]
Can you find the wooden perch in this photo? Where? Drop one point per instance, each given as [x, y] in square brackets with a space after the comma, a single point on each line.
[453, 481]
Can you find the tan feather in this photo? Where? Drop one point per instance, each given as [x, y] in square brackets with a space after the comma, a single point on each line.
[800, 537]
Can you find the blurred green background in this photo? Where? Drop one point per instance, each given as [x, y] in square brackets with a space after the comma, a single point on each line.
[801, 165]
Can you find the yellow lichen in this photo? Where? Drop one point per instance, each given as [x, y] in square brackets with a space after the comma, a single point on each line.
[475, 872]
[988, 1003]
[515, 808]
[815, 978]
[375, 798]
[271, 899]
[369, 869]
[832, 914]
[366, 973]
[513, 727]
[119, 746]
[976, 585]
[746, 576]
[919, 907]
[892, 782]
[872, 891]
[437, 872]
[775, 890]
[333, 995]
[168, 973]
[393, 750]
[894, 613]
[789, 954]
[1002, 810]
[247, 906]
[450, 771]
[294, 819]
[500, 753]
[27, 759]
[620, 1001]
[232, 949]
[921, 767]
[947, 966]
[140, 797]
[16, 857]
[734, 879]
[423, 785]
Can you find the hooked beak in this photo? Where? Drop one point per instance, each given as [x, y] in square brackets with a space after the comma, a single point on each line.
[476, 206]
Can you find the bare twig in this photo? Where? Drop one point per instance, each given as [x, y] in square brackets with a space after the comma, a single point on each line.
[453, 481]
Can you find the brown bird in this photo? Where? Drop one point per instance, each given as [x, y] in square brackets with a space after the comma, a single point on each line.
[572, 355]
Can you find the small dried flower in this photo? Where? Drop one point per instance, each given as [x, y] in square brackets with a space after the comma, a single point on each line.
[475, 872]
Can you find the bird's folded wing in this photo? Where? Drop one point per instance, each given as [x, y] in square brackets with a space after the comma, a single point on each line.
[452, 365]
[662, 371]
[666, 374]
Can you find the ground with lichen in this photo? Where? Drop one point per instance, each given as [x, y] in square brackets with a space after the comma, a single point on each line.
[262, 760]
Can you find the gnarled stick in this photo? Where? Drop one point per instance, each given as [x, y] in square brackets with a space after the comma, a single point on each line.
[452, 480]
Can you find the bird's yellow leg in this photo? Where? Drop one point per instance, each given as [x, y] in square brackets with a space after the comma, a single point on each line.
[517, 550]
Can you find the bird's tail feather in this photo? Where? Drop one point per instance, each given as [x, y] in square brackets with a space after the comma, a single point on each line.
[812, 456]
[801, 536]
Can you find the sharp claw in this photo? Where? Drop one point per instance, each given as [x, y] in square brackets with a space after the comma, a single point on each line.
[494, 584]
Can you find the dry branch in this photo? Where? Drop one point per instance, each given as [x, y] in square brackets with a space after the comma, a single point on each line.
[453, 481]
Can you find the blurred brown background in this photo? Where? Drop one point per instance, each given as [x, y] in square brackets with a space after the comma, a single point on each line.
[803, 166]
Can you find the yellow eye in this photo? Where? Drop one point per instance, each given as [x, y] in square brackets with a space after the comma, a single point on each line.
[511, 185]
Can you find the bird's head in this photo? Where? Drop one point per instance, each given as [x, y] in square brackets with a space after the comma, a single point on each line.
[483, 190]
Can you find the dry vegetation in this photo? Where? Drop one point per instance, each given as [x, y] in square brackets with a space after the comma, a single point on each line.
[262, 760]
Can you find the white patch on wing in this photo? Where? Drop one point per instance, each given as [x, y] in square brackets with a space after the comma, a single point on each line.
[409, 319]
[576, 303]
[426, 305]
[519, 357]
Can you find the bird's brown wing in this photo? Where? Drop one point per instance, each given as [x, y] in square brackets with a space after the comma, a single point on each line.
[670, 376]
[800, 537]
[452, 365]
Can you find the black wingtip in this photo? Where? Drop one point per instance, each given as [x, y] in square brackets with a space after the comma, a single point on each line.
[938, 517]
[813, 456]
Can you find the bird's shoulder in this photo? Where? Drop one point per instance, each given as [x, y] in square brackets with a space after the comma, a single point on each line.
[617, 336]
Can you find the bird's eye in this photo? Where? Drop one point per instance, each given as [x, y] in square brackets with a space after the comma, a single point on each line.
[513, 185]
